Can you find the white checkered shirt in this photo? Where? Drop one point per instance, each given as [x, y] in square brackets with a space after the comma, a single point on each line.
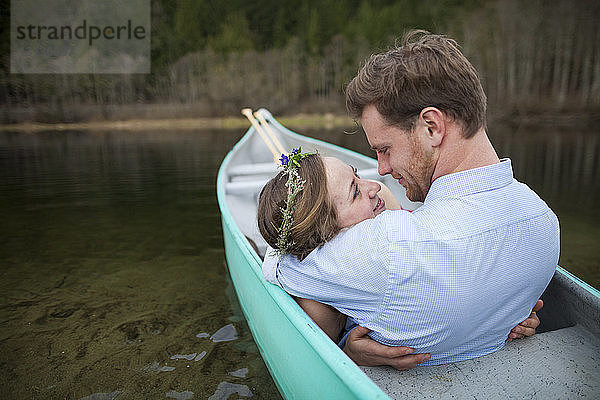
[451, 278]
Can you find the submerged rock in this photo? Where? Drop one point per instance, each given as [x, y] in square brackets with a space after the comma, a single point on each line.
[102, 396]
[240, 373]
[200, 356]
[188, 357]
[155, 366]
[225, 334]
[226, 389]
[186, 395]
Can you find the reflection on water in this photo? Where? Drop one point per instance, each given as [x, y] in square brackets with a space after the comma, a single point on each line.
[113, 280]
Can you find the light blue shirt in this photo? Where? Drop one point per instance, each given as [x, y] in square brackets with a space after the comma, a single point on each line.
[451, 278]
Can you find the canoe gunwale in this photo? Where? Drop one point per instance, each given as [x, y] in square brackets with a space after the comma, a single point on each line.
[581, 283]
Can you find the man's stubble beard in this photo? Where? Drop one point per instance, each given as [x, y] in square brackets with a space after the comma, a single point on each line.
[422, 168]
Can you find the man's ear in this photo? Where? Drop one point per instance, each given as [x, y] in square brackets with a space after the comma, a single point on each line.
[434, 124]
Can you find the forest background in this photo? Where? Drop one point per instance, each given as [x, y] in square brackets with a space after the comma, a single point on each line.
[538, 60]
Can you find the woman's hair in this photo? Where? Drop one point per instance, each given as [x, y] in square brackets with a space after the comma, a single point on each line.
[314, 217]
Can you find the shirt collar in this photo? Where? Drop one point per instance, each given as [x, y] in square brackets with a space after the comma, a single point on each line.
[472, 181]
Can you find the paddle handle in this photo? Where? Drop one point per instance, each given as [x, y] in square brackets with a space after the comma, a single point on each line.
[248, 113]
[270, 132]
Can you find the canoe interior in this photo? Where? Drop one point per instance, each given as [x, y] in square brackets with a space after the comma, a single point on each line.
[561, 361]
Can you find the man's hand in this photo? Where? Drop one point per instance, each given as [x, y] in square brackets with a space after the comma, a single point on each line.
[527, 327]
[365, 351]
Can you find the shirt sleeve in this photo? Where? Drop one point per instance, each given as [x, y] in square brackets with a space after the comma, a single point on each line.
[349, 273]
[269, 266]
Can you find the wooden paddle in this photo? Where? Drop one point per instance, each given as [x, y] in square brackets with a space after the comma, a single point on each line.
[248, 113]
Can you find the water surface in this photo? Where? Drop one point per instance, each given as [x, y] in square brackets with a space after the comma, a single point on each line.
[112, 271]
[112, 263]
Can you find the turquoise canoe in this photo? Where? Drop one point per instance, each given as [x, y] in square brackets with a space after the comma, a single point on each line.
[559, 362]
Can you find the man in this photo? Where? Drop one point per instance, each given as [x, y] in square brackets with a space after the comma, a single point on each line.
[453, 277]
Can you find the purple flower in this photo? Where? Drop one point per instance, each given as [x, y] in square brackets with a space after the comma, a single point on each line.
[284, 159]
[296, 151]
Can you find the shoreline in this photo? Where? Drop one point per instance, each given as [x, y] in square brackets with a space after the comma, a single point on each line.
[298, 121]
[327, 121]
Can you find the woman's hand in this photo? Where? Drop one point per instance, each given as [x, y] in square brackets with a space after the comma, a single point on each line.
[527, 327]
[365, 351]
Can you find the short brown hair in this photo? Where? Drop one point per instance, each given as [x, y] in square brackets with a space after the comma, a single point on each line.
[315, 218]
[426, 71]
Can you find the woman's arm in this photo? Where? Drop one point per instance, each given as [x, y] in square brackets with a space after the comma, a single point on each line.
[330, 320]
[527, 327]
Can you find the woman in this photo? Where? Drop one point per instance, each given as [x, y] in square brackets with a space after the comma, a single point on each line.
[333, 198]
[308, 204]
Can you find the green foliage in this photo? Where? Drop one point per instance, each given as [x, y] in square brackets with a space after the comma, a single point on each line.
[234, 35]
[298, 55]
[192, 25]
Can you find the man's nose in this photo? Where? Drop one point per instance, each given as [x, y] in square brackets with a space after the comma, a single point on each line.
[383, 166]
[372, 188]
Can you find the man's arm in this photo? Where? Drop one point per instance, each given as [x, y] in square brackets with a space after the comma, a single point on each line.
[365, 351]
[341, 273]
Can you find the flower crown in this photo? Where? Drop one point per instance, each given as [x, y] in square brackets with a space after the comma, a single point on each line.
[290, 164]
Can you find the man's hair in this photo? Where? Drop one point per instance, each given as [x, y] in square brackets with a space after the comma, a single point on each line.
[427, 70]
[315, 218]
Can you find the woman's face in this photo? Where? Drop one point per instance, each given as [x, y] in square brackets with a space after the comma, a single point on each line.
[354, 199]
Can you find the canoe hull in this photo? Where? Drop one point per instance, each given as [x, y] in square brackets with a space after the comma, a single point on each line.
[298, 370]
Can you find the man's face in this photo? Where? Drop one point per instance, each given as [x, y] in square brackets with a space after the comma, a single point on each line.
[405, 155]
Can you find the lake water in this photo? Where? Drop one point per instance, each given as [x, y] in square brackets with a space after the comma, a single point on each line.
[113, 275]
